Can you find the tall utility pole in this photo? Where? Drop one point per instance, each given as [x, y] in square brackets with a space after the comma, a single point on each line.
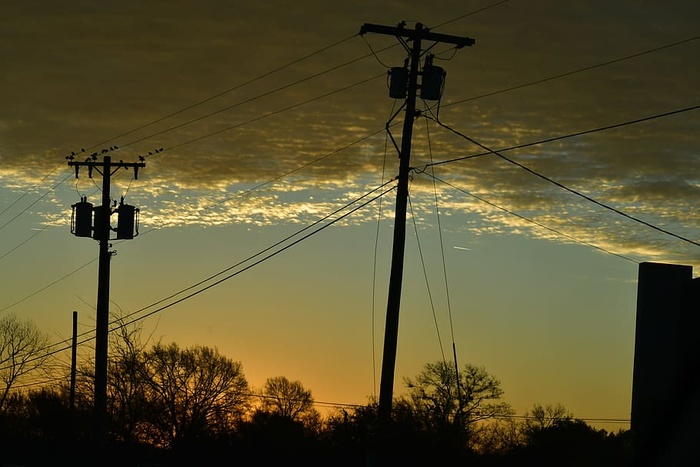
[417, 36]
[101, 233]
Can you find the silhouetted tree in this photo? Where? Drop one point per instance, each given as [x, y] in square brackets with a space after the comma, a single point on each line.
[191, 392]
[23, 349]
[290, 399]
[573, 443]
[453, 405]
[545, 416]
[504, 435]
[127, 397]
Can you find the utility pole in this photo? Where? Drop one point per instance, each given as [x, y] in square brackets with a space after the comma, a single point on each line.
[74, 361]
[100, 231]
[417, 36]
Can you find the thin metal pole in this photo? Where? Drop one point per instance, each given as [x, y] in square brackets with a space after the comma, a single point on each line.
[74, 361]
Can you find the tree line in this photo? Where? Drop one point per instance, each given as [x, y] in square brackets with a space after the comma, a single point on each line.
[169, 405]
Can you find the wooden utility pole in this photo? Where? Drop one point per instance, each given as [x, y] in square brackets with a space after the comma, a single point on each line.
[102, 230]
[417, 36]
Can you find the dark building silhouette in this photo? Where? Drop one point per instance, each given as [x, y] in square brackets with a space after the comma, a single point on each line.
[665, 422]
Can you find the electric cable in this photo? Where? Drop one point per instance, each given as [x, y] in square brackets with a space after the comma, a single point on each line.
[9, 206]
[573, 72]
[527, 219]
[123, 320]
[575, 192]
[471, 13]
[425, 277]
[269, 114]
[236, 87]
[34, 202]
[47, 286]
[444, 262]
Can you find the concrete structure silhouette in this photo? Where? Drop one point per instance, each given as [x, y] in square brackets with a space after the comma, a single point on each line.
[665, 421]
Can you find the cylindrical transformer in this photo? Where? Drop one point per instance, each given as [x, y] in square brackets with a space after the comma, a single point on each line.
[433, 83]
[127, 221]
[398, 82]
[81, 220]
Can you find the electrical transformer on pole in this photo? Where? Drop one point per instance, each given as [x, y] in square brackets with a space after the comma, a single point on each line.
[95, 222]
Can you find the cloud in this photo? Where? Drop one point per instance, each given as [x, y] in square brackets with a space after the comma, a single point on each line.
[84, 74]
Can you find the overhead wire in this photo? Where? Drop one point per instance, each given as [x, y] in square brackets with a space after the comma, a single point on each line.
[560, 137]
[442, 255]
[27, 297]
[471, 13]
[550, 78]
[265, 258]
[323, 49]
[573, 72]
[425, 277]
[266, 254]
[527, 219]
[270, 114]
[9, 206]
[206, 116]
[256, 187]
[236, 87]
[576, 192]
[34, 202]
[253, 120]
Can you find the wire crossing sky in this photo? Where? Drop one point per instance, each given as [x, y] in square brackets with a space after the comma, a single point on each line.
[253, 132]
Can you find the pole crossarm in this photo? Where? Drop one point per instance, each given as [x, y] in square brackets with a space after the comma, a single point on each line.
[418, 33]
[93, 164]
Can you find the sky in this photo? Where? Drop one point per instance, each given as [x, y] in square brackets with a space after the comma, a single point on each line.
[266, 124]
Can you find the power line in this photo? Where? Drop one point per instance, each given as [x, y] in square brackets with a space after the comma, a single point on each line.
[9, 206]
[34, 202]
[471, 13]
[8, 252]
[575, 192]
[202, 117]
[573, 72]
[555, 138]
[323, 49]
[270, 114]
[279, 177]
[425, 277]
[238, 86]
[265, 258]
[47, 286]
[123, 322]
[527, 219]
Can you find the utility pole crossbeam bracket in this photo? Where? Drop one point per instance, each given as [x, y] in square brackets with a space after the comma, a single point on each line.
[416, 36]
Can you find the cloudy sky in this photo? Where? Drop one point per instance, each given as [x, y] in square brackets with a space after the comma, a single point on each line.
[271, 118]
